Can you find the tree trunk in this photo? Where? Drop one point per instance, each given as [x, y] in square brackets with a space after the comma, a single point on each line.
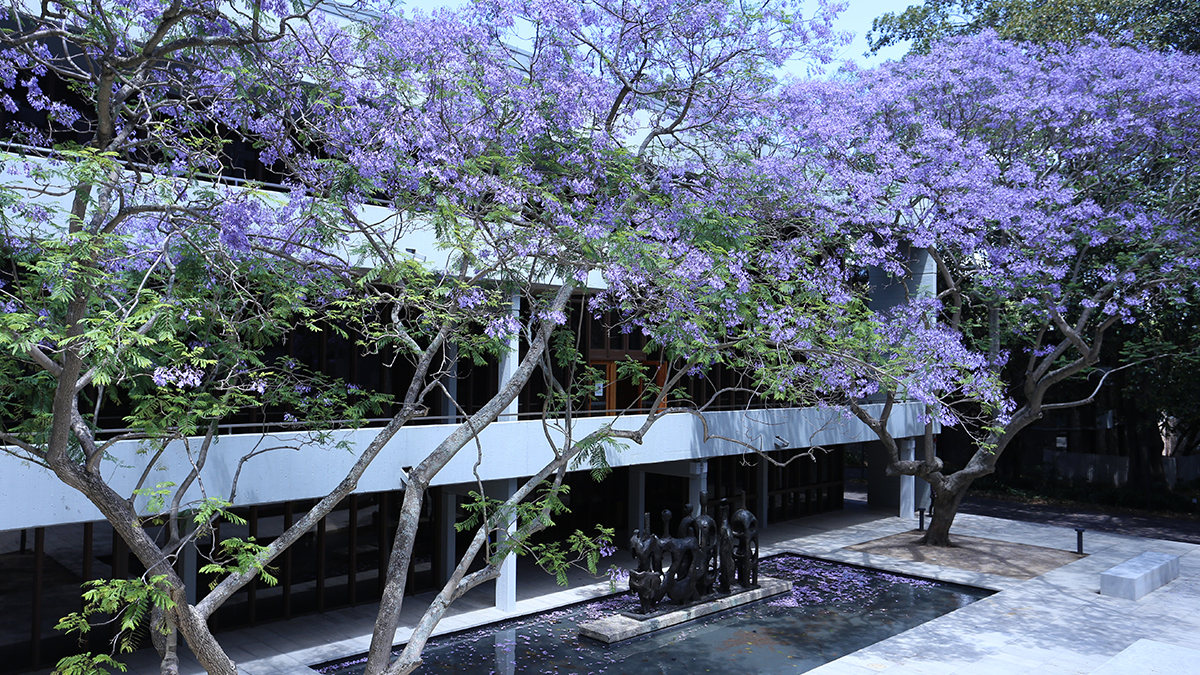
[945, 508]
[423, 473]
[190, 623]
[200, 639]
[166, 641]
[392, 601]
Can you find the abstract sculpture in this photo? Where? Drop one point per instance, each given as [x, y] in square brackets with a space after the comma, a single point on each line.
[706, 558]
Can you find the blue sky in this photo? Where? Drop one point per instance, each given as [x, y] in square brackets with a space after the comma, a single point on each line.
[857, 19]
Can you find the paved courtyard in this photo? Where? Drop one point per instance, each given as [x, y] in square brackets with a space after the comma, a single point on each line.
[1056, 623]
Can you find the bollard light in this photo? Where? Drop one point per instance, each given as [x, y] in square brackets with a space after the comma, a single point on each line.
[921, 527]
[1079, 540]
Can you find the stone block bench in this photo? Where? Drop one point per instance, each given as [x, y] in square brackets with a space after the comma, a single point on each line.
[1138, 576]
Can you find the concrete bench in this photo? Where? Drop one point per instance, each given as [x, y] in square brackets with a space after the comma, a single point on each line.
[1138, 576]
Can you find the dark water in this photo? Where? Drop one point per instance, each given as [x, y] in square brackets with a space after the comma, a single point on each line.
[833, 610]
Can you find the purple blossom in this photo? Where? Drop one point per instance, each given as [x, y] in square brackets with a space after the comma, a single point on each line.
[557, 317]
[183, 377]
[470, 298]
[617, 575]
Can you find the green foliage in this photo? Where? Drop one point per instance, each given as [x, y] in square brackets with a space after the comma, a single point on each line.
[1159, 24]
[239, 556]
[496, 514]
[1164, 378]
[88, 664]
[577, 550]
[156, 497]
[235, 556]
[564, 349]
[593, 450]
[129, 600]
[211, 508]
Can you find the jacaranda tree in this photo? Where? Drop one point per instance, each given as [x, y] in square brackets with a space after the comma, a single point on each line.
[1054, 193]
[1149, 400]
[149, 268]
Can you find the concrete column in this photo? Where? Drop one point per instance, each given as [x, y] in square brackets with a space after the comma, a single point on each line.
[447, 558]
[920, 280]
[508, 364]
[506, 583]
[637, 498]
[697, 483]
[764, 497]
[908, 485]
[186, 526]
[450, 396]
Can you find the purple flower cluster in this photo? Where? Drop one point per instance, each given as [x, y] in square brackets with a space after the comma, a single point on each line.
[183, 377]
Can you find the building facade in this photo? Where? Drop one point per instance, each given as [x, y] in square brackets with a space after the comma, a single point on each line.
[55, 539]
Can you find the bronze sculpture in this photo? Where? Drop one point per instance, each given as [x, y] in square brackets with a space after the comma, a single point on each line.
[706, 558]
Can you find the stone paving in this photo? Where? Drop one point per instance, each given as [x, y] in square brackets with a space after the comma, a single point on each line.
[1155, 527]
[1054, 624]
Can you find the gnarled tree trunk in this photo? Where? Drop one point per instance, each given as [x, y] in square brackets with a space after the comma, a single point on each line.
[945, 508]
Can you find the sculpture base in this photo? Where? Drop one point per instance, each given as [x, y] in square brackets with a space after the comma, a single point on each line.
[624, 626]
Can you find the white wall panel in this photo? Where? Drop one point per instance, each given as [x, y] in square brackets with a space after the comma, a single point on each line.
[34, 497]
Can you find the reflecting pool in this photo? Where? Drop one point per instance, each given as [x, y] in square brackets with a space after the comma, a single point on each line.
[833, 610]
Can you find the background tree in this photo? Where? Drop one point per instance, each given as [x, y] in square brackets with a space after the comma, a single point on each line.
[1157, 24]
[1051, 192]
[1153, 24]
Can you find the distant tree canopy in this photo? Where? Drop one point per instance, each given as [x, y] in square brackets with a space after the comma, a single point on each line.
[1158, 24]
[1157, 392]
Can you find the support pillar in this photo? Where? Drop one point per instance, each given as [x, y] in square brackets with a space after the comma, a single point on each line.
[908, 484]
[764, 491]
[512, 358]
[506, 583]
[506, 652]
[190, 579]
[637, 499]
[697, 483]
[39, 558]
[447, 550]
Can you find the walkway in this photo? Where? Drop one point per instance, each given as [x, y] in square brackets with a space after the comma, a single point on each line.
[1054, 624]
[1134, 525]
